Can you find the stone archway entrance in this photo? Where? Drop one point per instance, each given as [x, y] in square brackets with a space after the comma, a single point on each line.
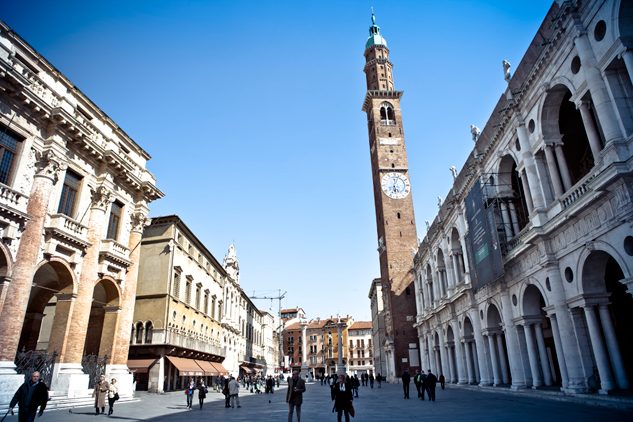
[609, 315]
[104, 312]
[48, 311]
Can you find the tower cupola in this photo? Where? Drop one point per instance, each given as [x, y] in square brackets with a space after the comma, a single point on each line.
[374, 34]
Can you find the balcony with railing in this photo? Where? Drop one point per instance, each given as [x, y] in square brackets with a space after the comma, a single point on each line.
[388, 122]
[12, 198]
[175, 338]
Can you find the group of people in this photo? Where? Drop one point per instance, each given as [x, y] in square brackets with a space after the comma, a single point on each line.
[423, 383]
[105, 390]
[364, 380]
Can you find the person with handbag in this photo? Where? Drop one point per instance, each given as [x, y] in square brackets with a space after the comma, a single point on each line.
[189, 393]
[202, 392]
[113, 395]
[342, 398]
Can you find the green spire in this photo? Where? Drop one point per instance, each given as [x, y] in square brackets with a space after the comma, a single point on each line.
[374, 33]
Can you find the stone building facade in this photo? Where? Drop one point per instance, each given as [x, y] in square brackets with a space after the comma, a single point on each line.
[176, 332]
[553, 165]
[361, 351]
[74, 195]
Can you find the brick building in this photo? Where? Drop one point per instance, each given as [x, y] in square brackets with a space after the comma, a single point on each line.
[74, 195]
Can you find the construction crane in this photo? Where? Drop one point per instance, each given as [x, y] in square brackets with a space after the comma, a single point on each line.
[279, 297]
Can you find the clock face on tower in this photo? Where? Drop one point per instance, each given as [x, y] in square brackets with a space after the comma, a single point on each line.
[395, 185]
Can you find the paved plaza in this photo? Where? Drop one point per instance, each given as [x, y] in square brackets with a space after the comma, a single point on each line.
[384, 404]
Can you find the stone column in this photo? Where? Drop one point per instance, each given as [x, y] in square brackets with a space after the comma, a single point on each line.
[534, 182]
[507, 224]
[613, 347]
[537, 380]
[503, 363]
[305, 369]
[469, 362]
[481, 366]
[553, 171]
[559, 350]
[459, 356]
[526, 189]
[493, 357]
[512, 341]
[562, 164]
[627, 56]
[597, 87]
[70, 371]
[465, 259]
[451, 364]
[602, 361]
[118, 369]
[423, 353]
[48, 165]
[431, 357]
[61, 323]
[542, 351]
[458, 277]
[513, 217]
[590, 128]
[340, 367]
[444, 359]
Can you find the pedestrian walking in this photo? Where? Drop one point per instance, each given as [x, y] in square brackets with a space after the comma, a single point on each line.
[226, 392]
[417, 380]
[431, 380]
[342, 398]
[441, 380]
[423, 385]
[371, 379]
[100, 393]
[113, 395]
[294, 395]
[234, 391]
[379, 379]
[202, 392]
[356, 384]
[189, 393]
[406, 380]
[31, 395]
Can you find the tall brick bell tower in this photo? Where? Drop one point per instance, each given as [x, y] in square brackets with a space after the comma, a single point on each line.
[395, 219]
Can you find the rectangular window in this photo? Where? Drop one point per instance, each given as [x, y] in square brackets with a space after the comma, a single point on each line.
[197, 297]
[176, 286]
[69, 194]
[188, 292]
[213, 308]
[9, 146]
[115, 218]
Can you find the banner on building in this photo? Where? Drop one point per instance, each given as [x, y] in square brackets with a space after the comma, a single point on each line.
[482, 242]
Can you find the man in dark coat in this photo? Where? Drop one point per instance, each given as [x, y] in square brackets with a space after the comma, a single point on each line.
[417, 380]
[431, 380]
[294, 395]
[371, 379]
[342, 397]
[406, 380]
[31, 395]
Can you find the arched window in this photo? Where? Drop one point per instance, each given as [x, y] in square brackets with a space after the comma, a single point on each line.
[139, 333]
[387, 115]
[149, 329]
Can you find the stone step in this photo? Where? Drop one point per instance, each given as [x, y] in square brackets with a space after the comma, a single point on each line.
[62, 402]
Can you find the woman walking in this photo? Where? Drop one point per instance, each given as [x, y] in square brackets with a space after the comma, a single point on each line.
[189, 393]
[113, 395]
[202, 392]
[342, 398]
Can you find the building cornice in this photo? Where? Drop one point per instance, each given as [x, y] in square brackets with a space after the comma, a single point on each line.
[379, 94]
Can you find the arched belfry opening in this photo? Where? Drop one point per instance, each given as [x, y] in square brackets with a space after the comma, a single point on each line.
[387, 115]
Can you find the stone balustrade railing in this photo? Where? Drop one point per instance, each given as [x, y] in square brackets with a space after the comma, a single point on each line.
[578, 190]
[11, 198]
[178, 339]
[114, 247]
[68, 225]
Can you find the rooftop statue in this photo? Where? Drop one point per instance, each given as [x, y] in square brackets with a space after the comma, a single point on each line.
[475, 131]
[230, 264]
[506, 71]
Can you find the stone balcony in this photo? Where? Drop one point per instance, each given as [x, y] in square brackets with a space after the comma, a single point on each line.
[65, 236]
[12, 211]
[113, 258]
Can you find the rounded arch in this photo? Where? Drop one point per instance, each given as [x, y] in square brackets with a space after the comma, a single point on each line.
[550, 109]
[622, 19]
[532, 300]
[493, 317]
[592, 260]
[505, 170]
[6, 261]
[108, 290]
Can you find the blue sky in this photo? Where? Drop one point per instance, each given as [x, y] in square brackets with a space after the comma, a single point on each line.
[251, 112]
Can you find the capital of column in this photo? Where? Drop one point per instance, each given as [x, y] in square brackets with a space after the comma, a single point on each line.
[102, 197]
[140, 220]
[49, 165]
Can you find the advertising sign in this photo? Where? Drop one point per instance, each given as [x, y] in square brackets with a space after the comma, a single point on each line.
[482, 242]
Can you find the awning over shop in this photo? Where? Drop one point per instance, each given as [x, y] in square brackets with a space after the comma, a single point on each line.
[187, 367]
[208, 369]
[246, 369]
[221, 369]
[140, 366]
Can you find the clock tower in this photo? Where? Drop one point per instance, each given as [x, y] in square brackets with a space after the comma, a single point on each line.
[395, 220]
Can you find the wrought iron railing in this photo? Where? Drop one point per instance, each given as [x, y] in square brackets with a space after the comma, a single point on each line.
[35, 360]
[94, 366]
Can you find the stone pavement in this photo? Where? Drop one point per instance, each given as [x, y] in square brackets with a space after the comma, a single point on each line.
[384, 404]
